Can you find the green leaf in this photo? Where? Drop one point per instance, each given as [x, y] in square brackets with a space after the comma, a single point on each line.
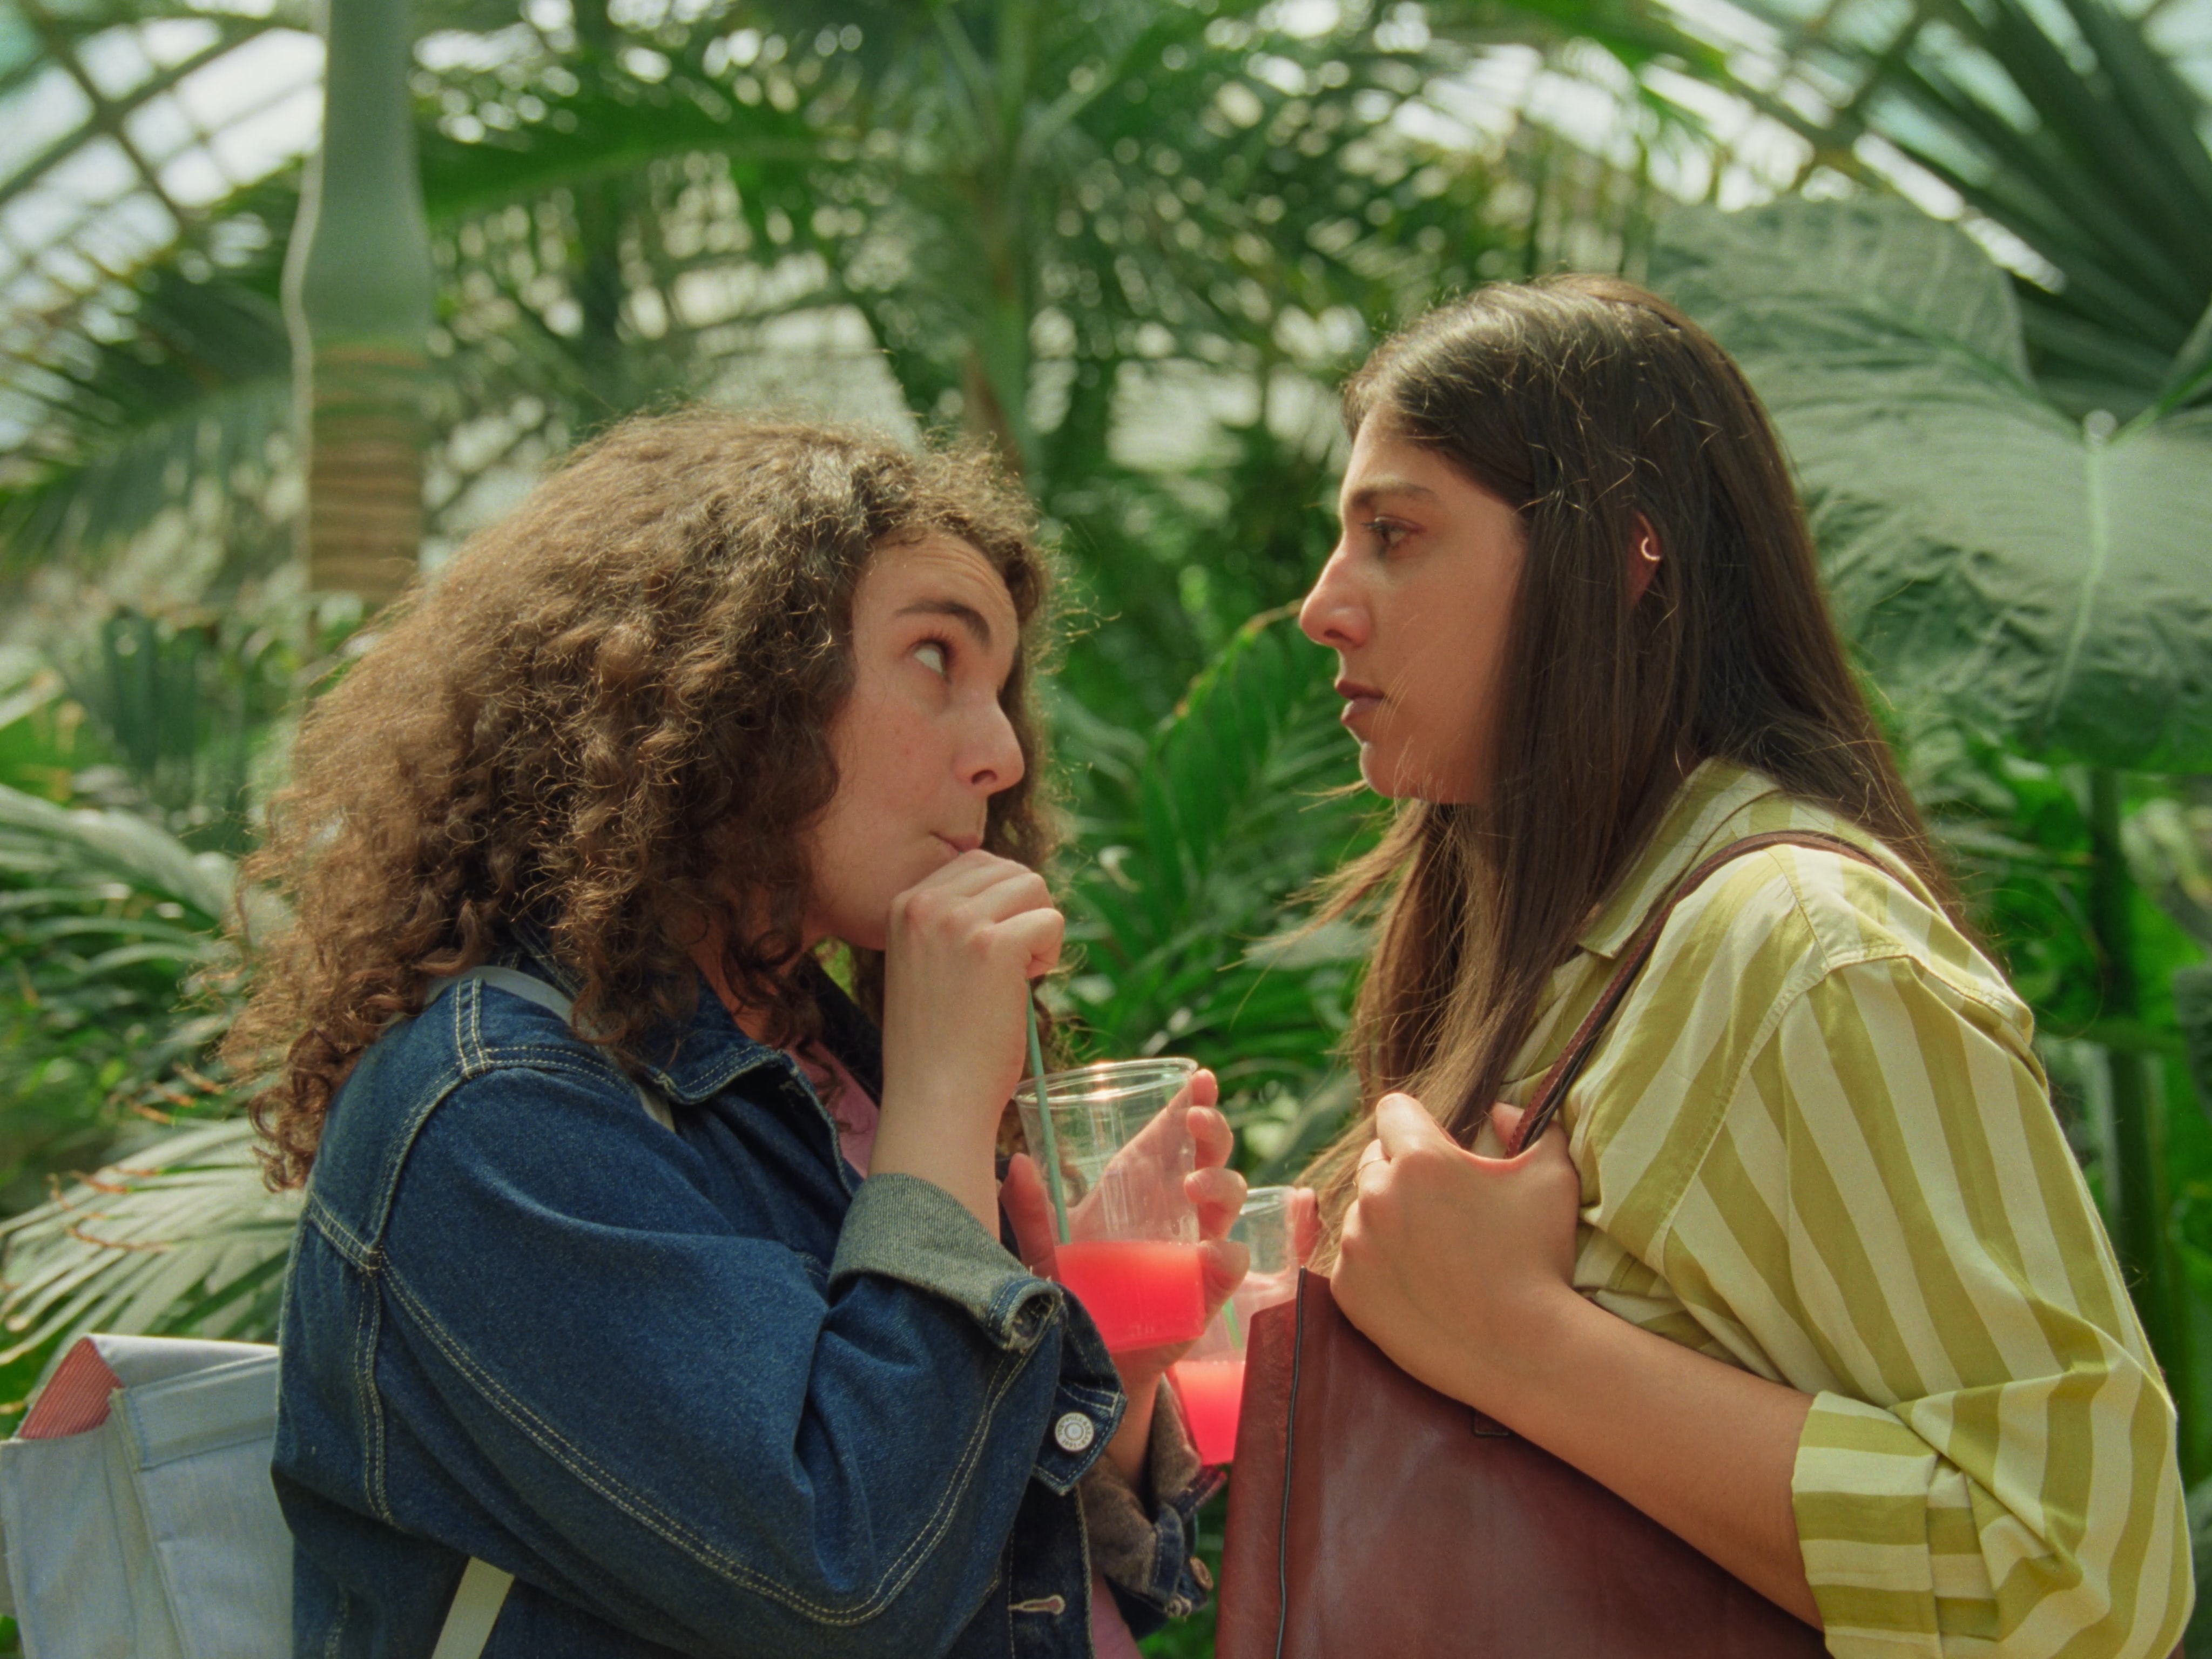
[181, 1237]
[1240, 803]
[115, 845]
[2072, 128]
[1983, 551]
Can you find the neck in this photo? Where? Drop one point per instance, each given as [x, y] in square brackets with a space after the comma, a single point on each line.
[707, 952]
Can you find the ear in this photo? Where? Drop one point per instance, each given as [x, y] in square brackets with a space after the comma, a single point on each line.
[1643, 559]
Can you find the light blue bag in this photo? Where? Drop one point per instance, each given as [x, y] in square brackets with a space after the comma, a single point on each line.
[147, 1528]
[154, 1533]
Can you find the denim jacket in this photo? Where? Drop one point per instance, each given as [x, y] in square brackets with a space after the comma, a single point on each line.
[704, 1392]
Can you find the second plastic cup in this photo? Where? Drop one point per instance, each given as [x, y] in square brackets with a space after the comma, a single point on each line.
[1128, 1246]
[1209, 1380]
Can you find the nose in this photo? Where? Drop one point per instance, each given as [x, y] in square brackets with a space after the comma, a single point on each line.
[991, 760]
[1334, 614]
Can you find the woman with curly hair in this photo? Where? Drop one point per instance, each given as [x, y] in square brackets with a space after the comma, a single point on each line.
[636, 1263]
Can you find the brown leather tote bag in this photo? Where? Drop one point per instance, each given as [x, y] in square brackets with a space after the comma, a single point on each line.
[1370, 1515]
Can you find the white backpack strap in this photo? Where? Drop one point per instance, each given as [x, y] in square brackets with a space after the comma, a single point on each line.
[476, 1607]
[530, 988]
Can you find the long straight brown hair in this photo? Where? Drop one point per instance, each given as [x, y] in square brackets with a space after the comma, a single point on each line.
[1586, 403]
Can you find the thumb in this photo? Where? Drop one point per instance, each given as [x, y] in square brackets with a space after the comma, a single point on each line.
[1022, 1196]
[1506, 1120]
[1402, 1123]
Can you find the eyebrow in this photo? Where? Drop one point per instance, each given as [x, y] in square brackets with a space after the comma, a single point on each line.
[1386, 486]
[966, 615]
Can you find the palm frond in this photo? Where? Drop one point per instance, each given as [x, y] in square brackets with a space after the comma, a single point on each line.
[1238, 805]
[110, 938]
[181, 1237]
[2065, 130]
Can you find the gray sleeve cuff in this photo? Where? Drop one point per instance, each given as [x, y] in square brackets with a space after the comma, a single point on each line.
[905, 1228]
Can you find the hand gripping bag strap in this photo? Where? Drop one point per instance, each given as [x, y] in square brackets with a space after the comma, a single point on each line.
[1491, 1545]
[1542, 1561]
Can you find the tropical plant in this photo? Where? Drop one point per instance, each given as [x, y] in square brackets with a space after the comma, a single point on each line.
[2070, 140]
[1046, 221]
[185, 1238]
[1195, 845]
[105, 920]
[1985, 550]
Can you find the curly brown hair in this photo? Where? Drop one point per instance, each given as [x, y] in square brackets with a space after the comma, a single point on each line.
[611, 710]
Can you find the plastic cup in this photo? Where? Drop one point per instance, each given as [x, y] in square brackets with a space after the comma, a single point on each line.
[1209, 1380]
[1119, 1142]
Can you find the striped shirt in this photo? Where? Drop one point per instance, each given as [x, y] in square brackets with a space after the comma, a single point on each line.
[1817, 1144]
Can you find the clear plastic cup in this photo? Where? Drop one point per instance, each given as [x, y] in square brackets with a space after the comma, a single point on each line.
[1209, 1380]
[1119, 1138]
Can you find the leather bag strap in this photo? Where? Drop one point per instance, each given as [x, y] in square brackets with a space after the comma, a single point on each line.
[1552, 1093]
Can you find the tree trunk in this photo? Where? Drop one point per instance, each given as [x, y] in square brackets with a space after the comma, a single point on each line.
[359, 297]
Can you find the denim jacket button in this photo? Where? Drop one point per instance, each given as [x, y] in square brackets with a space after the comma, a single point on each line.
[1075, 1432]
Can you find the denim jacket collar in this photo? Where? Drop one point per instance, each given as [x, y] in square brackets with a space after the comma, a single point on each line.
[688, 1062]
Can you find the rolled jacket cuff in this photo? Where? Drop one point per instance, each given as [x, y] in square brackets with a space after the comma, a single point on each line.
[902, 1227]
[1144, 1542]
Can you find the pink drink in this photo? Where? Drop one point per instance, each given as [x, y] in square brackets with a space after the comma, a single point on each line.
[1140, 1292]
[1211, 1390]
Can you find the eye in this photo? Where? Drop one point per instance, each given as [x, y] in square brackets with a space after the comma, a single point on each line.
[934, 655]
[1388, 532]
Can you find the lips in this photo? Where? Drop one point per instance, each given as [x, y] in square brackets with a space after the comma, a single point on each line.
[1359, 700]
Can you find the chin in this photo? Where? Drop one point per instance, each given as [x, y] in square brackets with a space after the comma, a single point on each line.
[1394, 780]
[1378, 774]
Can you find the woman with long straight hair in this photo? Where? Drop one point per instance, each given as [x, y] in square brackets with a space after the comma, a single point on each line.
[1807, 1273]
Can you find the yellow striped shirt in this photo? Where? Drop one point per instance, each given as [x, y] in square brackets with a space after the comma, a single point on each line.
[1816, 1144]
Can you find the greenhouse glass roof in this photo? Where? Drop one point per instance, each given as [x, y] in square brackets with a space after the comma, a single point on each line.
[118, 134]
[141, 136]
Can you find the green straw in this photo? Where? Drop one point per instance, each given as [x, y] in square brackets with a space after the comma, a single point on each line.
[1044, 1122]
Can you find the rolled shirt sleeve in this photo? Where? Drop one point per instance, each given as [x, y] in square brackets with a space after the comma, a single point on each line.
[1988, 1467]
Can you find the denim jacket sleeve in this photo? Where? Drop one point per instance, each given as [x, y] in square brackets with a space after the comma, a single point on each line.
[710, 1437]
[1144, 1541]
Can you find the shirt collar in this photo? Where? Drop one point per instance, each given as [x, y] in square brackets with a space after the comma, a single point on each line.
[689, 1060]
[1695, 820]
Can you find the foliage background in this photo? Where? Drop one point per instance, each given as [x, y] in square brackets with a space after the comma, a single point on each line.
[1133, 242]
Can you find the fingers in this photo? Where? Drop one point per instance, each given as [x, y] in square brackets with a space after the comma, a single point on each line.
[1223, 1264]
[1211, 1138]
[1306, 1222]
[1371, 1174]
[1403, 1124]
[1038, 935]
[1028, 1212]
[1506, 1121]
[978, 890]
[1217, 1195]
[971, 873]
[1204, 1089]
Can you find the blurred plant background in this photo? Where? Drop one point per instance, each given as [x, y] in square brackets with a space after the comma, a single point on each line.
[1963, 247]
